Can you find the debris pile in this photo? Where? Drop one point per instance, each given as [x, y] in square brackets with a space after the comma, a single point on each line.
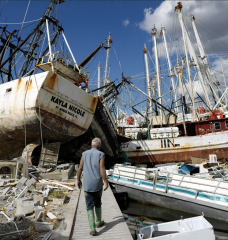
[32, 207]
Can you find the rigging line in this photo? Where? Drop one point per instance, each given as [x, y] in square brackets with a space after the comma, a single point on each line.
[215, 49]
[94, 76]
[22, 22]
[211, 34]
[209, 27]
[25, 112]
[24, 18]
[117, 58]
[22, 28]
[29, 25]
[41, 130]
[1, 9]
[151, 59]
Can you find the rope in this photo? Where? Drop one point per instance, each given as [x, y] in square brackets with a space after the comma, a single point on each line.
[22, 22]
[117, 59]
[41, 132]
[24, 18]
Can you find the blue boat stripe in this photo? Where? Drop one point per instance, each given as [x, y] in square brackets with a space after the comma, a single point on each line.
[190, 192]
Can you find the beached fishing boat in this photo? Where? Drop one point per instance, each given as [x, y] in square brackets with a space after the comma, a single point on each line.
[52, 101]
[179, 192]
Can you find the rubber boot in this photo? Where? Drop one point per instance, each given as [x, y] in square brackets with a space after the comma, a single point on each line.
[91, 222]
[99, 222]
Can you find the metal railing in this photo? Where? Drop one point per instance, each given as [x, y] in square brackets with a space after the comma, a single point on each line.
[216, 187]
[60, 57]
[169, 181]
[134, 178]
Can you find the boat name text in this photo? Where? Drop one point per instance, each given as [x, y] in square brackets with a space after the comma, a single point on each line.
[66, 106]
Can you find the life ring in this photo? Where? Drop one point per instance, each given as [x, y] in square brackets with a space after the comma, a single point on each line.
[82, 80]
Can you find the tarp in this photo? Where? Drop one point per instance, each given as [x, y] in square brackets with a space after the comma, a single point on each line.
[186, 169]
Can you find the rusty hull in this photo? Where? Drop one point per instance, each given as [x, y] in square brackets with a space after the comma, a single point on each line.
[184, 156]
[26, 101]
[180, 149]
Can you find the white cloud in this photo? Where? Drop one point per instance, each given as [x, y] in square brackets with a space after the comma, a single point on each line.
[125, 22]
[211, 19]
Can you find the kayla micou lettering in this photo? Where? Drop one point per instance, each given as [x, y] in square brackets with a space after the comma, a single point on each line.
[71, 107]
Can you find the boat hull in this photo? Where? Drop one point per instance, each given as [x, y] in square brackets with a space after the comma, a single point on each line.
[180, 149]
[172, 201]
[44, 106]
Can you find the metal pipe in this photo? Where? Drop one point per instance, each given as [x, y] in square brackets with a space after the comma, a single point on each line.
[49, 41]
[99, 79]
[106, 81]
[220, 99]
[70, 50]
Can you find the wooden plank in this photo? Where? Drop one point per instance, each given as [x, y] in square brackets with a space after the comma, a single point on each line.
[115, 225]
[49, 154]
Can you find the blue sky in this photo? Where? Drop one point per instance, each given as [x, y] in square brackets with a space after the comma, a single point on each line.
[88, 23]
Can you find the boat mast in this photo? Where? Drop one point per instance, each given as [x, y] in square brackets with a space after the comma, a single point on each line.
[34, 43]
[179, 14]
[106, 79]
[49, 43]
[154, 30]
[150, 109]
[117, 110]
[99, 79]
[170, 68]
[203, 57]
[192, 54]
[180, 78]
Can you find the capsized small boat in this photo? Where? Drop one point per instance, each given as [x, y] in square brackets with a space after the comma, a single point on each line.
[197, 228]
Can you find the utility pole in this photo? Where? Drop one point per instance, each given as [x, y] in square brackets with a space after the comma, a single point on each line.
[148, 84]
[170, 68]
[106, 79]
[99, 79]
[154, 33]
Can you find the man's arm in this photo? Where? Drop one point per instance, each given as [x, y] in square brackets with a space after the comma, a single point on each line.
[103, 172]
[79, 173]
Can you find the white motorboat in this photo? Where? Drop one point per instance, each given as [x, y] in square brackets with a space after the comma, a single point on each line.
[197, 227]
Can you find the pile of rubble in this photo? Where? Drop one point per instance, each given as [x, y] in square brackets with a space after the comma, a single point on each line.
[32, 208]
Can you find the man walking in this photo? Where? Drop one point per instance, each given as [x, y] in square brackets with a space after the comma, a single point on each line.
[92, 164]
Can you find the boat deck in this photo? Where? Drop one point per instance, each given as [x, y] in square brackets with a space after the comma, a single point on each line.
[115, 225]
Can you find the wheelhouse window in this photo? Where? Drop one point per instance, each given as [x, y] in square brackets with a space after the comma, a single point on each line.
[226, 124]
[218, 126]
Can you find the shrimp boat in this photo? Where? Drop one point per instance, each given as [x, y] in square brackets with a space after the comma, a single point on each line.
[48, 103]
[175, 133]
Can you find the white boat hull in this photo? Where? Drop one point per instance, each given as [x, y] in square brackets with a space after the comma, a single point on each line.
[180, 149]
[43, 106]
